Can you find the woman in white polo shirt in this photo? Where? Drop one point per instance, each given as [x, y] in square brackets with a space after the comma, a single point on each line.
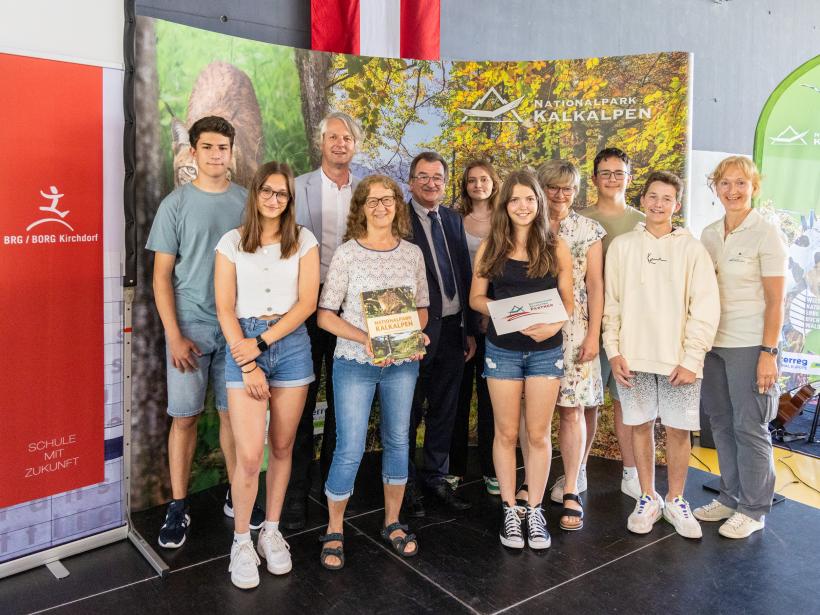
[266, 281]
[740, 393]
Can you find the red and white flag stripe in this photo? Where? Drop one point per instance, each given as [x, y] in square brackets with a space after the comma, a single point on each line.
[385, 28]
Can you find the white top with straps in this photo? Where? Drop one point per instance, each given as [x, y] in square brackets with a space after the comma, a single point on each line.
[265, 282]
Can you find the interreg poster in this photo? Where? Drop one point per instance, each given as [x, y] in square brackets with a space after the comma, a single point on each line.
[514, 113]
[787, 148]
[60, 293]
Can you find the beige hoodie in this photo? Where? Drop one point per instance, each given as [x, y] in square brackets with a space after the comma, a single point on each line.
[662, 304]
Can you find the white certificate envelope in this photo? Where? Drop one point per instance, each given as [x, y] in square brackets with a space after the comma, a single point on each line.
[517, 313]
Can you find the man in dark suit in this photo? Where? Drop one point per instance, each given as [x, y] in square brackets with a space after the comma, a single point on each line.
[439, 232]
[322, 204]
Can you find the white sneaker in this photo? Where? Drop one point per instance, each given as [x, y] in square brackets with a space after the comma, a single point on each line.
[713, 511]
[647, 511]
[276, 550]
[243, 566]
[557, 493]
[741, 526]
[678, 513]
[631, 486]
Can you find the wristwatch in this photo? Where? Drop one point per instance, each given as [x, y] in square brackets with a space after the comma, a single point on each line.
[770, 350]
[262, 345]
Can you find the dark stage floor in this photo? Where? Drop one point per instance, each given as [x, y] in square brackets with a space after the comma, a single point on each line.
[461, 567]
[801, 424]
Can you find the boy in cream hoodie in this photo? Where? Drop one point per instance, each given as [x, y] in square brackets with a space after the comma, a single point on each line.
[661, 314]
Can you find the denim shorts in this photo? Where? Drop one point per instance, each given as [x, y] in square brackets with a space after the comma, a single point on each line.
[506, 364]
[286, 362]
[186, 390]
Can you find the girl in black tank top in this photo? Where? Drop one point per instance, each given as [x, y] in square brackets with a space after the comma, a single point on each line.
[514, 281]
[522, 256]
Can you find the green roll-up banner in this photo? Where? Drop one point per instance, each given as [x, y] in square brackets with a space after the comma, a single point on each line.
[787, 151]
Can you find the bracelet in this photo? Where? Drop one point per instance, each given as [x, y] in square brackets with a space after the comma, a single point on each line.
[250, 370]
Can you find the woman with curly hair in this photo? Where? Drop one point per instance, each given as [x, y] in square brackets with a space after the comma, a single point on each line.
[374, 256]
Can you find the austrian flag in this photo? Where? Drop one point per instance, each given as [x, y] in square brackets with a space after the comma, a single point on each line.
[384, 28]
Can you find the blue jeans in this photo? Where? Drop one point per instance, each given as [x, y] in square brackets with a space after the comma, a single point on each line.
[354, 385]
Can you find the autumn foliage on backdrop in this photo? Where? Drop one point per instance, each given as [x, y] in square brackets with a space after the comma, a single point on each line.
[568, 109]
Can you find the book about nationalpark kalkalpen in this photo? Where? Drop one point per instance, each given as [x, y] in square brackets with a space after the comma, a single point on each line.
[392, 323]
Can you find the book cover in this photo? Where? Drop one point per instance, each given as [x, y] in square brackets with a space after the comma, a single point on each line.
[392, 323]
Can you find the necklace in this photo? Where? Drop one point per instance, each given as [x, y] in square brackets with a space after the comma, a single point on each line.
[477, 219]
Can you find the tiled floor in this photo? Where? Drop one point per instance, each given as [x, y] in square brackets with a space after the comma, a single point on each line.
[461, 567]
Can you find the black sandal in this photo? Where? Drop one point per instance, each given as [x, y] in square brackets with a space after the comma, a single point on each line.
[400, 543]
[571, 512]
[332, 551]
[521, 504]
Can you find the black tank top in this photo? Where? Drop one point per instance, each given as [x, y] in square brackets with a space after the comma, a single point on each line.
[512, 282]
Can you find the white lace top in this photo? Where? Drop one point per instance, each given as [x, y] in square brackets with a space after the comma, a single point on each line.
[355, 269]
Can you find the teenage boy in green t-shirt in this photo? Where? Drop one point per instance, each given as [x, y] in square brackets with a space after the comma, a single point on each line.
[611, 175]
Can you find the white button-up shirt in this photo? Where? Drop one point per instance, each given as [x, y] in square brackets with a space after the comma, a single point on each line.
[335, 207]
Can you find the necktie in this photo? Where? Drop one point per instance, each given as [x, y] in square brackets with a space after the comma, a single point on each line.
[443, 258]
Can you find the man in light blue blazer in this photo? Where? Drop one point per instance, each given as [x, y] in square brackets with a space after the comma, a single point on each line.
[322, 203]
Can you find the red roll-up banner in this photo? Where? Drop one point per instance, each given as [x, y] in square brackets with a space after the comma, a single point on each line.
[51, 293]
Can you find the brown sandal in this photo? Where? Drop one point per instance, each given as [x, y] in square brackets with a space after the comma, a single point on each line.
[571, 512]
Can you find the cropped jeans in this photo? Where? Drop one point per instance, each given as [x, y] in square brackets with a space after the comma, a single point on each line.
[354, 385]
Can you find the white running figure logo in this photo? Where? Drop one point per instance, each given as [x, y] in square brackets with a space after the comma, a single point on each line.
[54, 196]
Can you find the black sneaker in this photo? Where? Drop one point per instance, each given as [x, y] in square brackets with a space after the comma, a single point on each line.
[175, 529]
[510, 533]
[257, 514]
[537, 535]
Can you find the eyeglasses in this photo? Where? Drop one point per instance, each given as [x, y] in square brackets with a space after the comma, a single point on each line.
[387, 201]
[565, 190]
[612, 174]
[424, 178]
[266, 192]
